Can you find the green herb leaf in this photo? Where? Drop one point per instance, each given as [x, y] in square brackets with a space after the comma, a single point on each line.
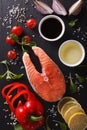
[24, 50]
[62, 125]
[14, 37]
[73, 86]
[47, 126]
[2, 76]
[9, 75]
[18, 127]
[3, 62]
[16, 76]
[30, 44]
[80, 78]
[73, 23]
[12, 76]
[24, 40]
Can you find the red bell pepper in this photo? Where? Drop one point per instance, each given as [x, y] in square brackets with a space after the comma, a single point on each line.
[29, 112]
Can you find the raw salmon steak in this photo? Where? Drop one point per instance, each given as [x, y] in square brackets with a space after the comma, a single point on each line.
[50, 84]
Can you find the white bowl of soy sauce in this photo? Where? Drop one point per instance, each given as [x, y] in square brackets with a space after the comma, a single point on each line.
[51, 27]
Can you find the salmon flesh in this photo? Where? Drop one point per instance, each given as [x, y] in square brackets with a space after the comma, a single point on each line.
[50, 83]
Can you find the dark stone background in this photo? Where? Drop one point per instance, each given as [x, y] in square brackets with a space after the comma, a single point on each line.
[78, 32]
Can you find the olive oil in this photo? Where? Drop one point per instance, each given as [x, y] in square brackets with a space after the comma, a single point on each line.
[51, 28]
[71, 53]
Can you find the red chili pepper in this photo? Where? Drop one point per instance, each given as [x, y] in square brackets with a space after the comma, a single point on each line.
[29, 112]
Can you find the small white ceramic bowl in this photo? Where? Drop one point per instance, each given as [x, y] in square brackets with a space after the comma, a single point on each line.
[71, 53]
[44, 19]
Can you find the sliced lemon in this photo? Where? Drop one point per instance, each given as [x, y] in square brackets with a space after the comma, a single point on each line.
[72, 110]
[67, 105]
[78, 121]
[63, 101]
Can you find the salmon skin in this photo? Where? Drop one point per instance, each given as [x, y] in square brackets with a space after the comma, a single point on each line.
[50, 84]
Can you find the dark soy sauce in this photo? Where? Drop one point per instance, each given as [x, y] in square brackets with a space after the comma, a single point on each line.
[51, 28]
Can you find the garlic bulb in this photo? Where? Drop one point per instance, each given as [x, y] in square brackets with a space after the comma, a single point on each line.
[58, 8]
[76, 8]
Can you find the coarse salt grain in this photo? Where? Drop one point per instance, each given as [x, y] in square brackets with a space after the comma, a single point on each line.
[10, 115]
[22, 67]
[6, 110]
[5, 103]
[9, 27]
[79, 33]
[14, 13]
[5, 116]
[33, 35]
[26, 1]
[52, 111]
[30, 15]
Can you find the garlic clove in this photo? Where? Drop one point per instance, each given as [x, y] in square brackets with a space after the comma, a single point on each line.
[58, 8]
[76, 8]
[42, 7]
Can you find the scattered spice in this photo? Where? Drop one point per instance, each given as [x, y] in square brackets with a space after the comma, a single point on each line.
[52, 111]
[15, 12]
[26, 1]
[80, 33]
[52, 115]
[9, 116]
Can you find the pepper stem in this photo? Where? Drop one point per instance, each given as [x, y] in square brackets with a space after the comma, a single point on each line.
[34, 118]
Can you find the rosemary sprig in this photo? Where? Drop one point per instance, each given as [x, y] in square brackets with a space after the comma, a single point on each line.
[8, 74]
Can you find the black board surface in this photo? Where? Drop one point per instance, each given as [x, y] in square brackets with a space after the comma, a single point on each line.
[13, 12]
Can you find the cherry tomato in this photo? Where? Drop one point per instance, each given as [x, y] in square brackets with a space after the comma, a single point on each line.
[12, 54]
[31, 23]
[17, 30]
[10, 41]
[27, 39]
